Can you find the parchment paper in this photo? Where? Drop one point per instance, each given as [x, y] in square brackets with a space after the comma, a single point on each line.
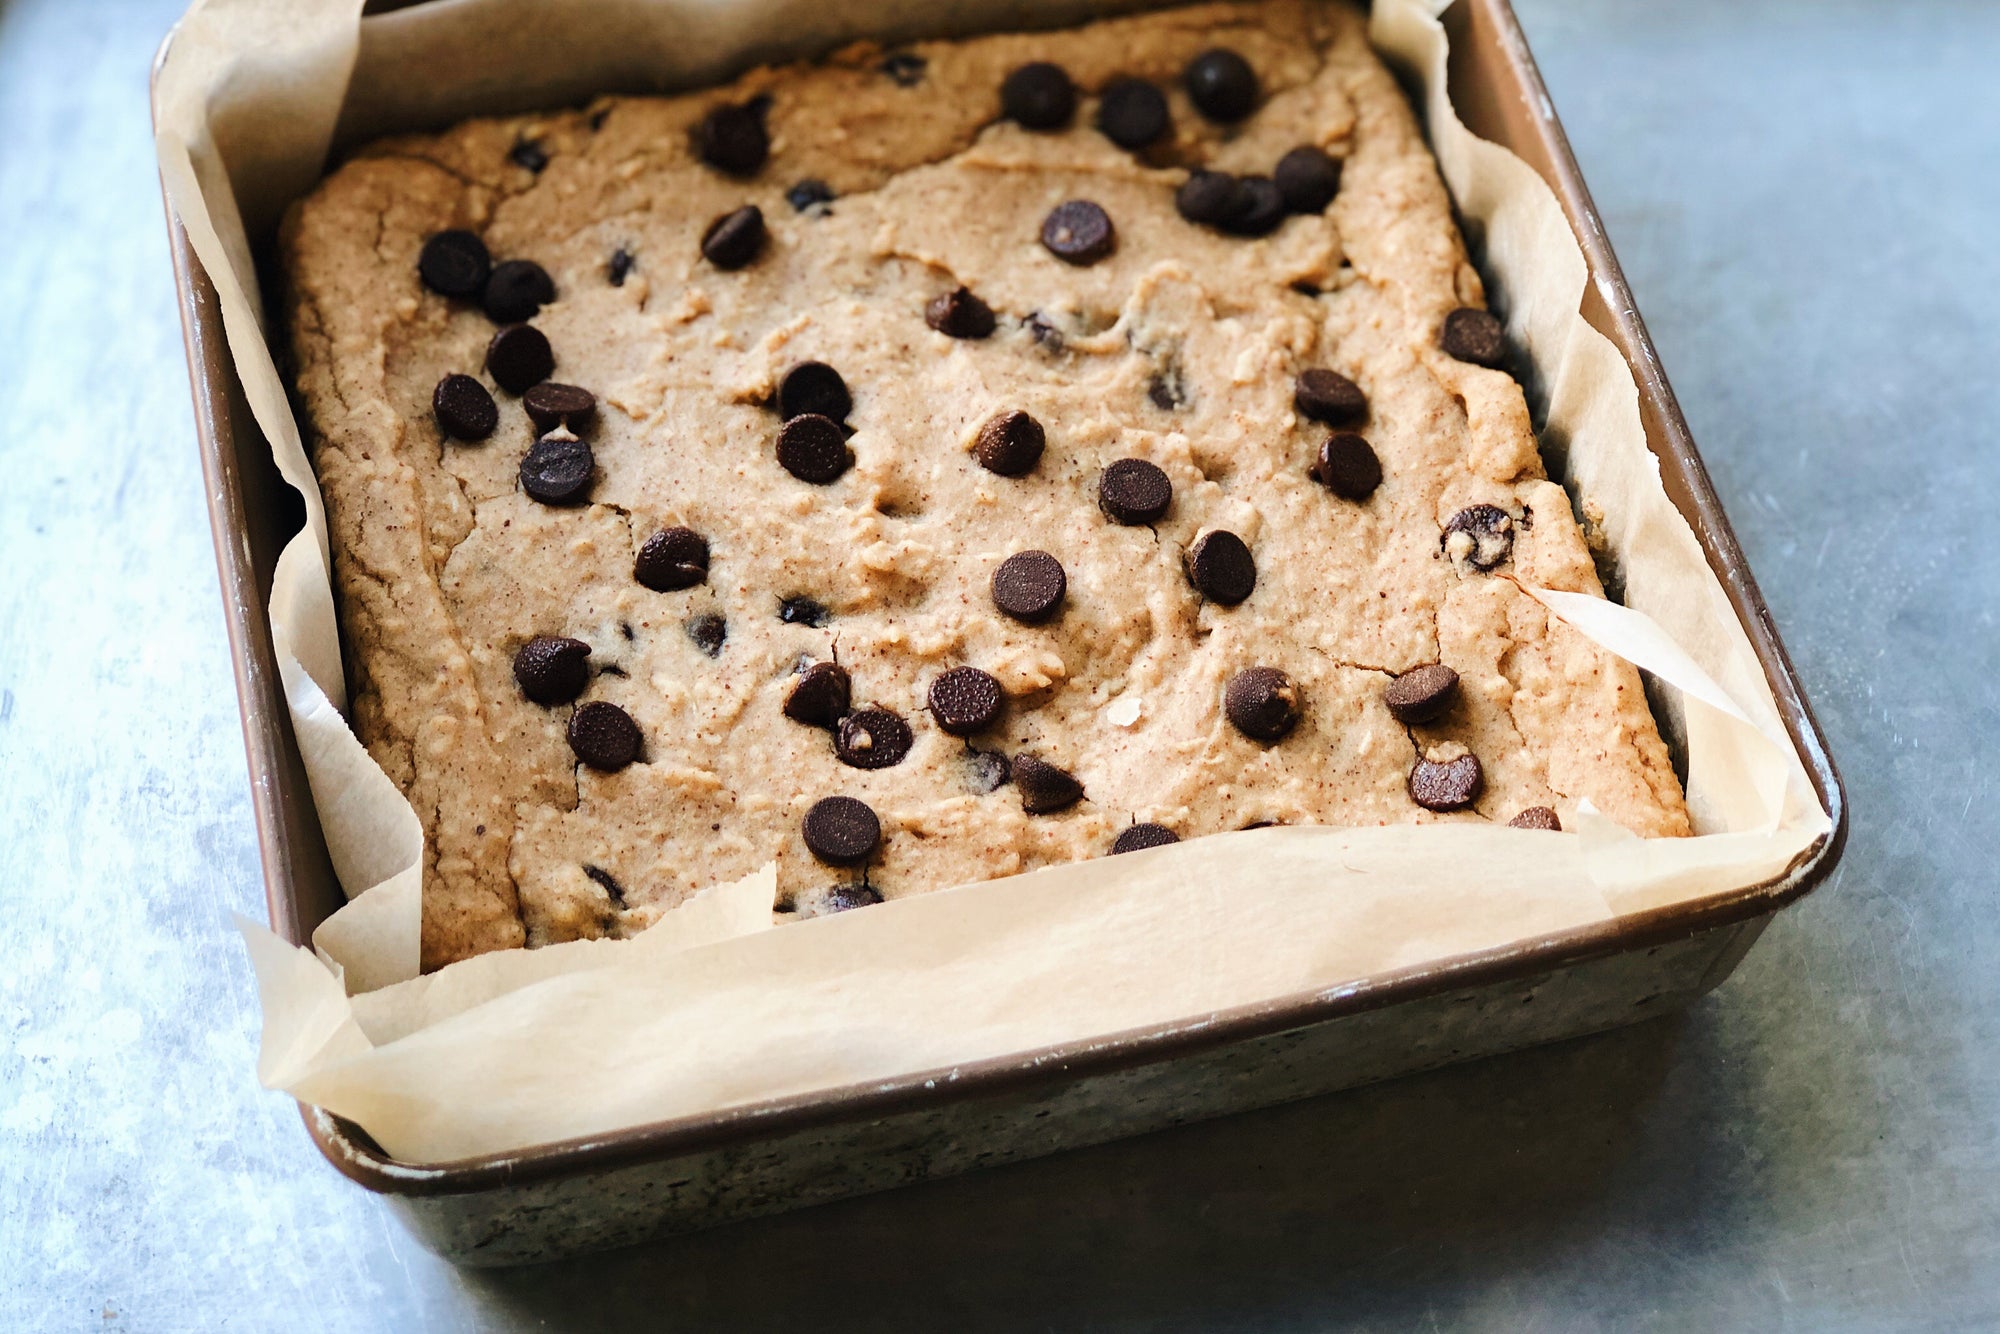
[711, 1008]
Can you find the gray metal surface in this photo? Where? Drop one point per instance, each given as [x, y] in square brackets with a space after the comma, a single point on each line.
[1803, 196]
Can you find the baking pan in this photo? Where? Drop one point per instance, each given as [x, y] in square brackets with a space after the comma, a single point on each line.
[697, 1171]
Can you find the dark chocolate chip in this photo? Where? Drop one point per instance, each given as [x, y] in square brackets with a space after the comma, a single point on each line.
[1029, 586]
[1039, 96]
[820, 695]
[984, 771]
[959, 314]
[455, 263]
[1044, 788]
[708, 632]
[1078, 232]
[1346, 465]
[800, 610]
[603, 736]
[1537, 817]
[1260, 208]
[872, 739]
[1328, 396]
[1221, 567]
[1262, 702]
[1473, 335]
[1423, 694]
[519, 358]
[552, 670]
[1139, 837]
[609, 883]
[529, 153]
[813, 449]
[1132, 113]
[1168, 388]
[904, 68]
[809, 193]
[814, 387]
[845, 898]
[732, 139]
[1480, 535]
[464, 409]
[1011, 444]
[1133, 491]
[842, 830]
[965, 700]
[734, 239]
[1447, 787]
[517, 290]
[619, 267]
[551, 405]
[1211, 198]
[672, 558]
[1308, 178]
[612, 669]
[1221, 85]
[557, 469]
[1045, 334]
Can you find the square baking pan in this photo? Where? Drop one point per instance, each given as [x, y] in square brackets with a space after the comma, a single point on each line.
[697, 1171]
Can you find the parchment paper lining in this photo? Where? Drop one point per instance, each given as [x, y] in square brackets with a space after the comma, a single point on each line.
[711, 1008]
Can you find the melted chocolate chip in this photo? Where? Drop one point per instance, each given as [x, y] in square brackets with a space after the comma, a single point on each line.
[529, 153]
[872, 739]
[984, 771]
[820, 695]
[1221, 567]
[557, 469]
[1038, 96]
[517, 290]
[1078, 232]
[1473, 335]
[1139, 837]
[1260, 208]
[1011, 444]
[551, 405]
[1132, 113]
[1221, 85]
[959, 314]
[813, 449]
[809, 193]
[708, 631]
[1133, 491]
[1422, 694]
[799, 610]
[904, 68]
[1480, 535]
[603, 736]
[454, 263]
[1210, 198]
[552, 670]
[1044, 788]
[464, 409]
[671, 559]
[1537, 817]
[734, 239]
[1262, 702]
[813, 387]
[732, 139]
[1029, 586]
[619, 267]
[1346, 465]
[845, 898]
[608, 883]
[842, 830]
[1308, 178]
[519, 358]
[1451, 786]
[1328, 396]
[965, 700]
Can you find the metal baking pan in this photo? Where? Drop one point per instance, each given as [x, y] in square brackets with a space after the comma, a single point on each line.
[697, 1171]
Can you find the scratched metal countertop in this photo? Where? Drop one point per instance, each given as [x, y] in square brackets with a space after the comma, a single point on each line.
[1804, 197]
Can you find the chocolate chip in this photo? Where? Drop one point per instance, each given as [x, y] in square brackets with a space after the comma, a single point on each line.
[1029, 586]
[814, 387]
[1132, 113]
[1211, 198]
[1133, 491]
[842, 830]
[1044, 788]
[1221, 567]
[813, 449]
[1480, 535]
[965, 700]
[1328, 396]
[734, 239]
[1262, 702]
[619, 267]
[606, 881]
[1221, 85]
[1011, 444]
[984, 771]
[672, 558]
[519, 358]
[809, 193]
[529, 153]
[1537, 817]
[732, 139]
[464, 409]
[551, 405]
[1308, 178]
[1168, 388]
[959, 314]
[454, 263]
[1078, 232]
[557, 469]
[551, 669]
[517, 290]
[1039, 96]
[1346, 465]
[1422, 694]
[1447, 787]
[708, 631]
[820, 695]
[797, 610]
[1045, 334]
[1473, 335]
[1139, 837]
[872, 739]
[603, 736]
[1260, 208]
[904, 68]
